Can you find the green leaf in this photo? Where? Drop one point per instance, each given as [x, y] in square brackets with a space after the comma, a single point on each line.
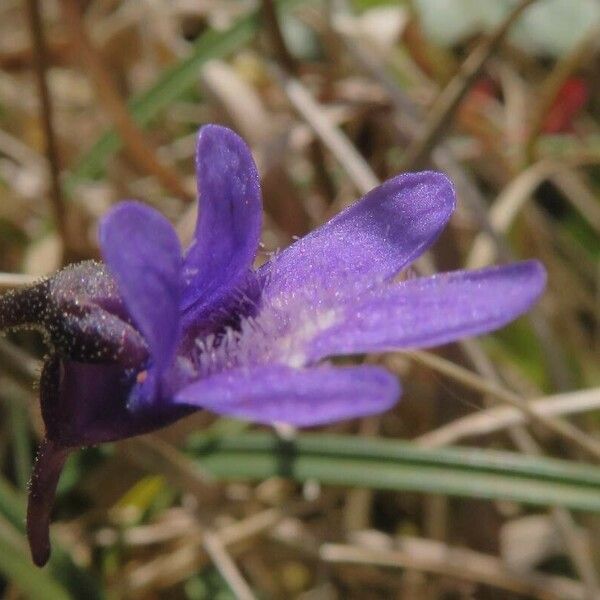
[174, 82]
[401, 466]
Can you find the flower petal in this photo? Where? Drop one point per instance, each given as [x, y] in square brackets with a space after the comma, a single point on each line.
[372, 240]
[307, 397]
[144, 256]
[433, 310]
[229, 221]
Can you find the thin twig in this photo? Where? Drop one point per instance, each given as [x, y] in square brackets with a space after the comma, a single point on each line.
[137, 146]
[562, 428]
[450, 97]
[215, 548]
[511, 200]
[40, 64]
[191, 557]
[354, 164]
[436, 557]
[497, 418]
[579, 549]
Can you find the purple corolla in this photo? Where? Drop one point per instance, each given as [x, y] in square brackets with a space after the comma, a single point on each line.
[156, 333]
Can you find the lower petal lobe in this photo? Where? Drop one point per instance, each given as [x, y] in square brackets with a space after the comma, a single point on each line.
[302, 397]
[434, 310]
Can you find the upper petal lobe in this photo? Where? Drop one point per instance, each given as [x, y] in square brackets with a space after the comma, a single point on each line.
[372, 240]
[229, 220]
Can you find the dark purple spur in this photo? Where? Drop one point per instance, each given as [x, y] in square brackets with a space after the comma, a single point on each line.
[156, 333]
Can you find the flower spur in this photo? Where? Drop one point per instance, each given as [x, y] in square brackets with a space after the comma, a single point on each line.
[154, 333]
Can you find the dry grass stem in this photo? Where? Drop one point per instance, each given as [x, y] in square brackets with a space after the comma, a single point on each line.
[189, 558]
[47, 119]
[435, 557]
[222, 560]
[337, 143]
[498, 418]
[563, 429]
[515, 196]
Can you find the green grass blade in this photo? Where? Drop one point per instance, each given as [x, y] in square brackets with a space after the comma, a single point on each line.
[393, 465]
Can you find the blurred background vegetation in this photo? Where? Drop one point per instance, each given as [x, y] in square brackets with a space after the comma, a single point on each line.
[100, 100]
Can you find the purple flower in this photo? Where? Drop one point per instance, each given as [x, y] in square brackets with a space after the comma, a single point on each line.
[158, 333]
